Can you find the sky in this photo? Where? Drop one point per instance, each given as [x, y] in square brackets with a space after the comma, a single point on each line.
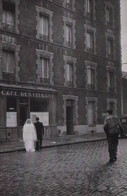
[124, 34]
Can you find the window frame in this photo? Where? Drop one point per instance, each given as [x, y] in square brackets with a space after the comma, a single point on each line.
[44, 12]
[69, 21]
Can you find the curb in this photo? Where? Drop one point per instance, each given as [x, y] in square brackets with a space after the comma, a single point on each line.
[56, 145]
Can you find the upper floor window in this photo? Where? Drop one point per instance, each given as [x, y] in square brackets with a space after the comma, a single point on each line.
[8, 61]
[91, 77]
[44, 68]
[111, 104]
[44, 27]
[44, 24]
[69, 4]
[110, 48]
[69, 74]
[90, 74]
[90, 8]
[111, 81]
[69, 32]
[109, 15]
[8, 16]
[69, 35]
[69, 71]
[90, 41]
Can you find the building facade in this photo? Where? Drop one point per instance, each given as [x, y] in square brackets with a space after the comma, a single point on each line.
[124, 94]
[59, 60]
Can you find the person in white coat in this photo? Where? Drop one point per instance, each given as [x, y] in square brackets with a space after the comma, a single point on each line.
[29, 136]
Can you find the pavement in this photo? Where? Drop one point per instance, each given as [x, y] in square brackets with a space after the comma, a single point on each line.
[18, 145]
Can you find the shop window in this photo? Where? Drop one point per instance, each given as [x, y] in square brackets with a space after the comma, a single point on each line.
[11, 104]
[8, 16]
[38, 106]
[11, 112]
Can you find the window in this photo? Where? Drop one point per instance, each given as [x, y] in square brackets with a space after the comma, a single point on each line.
[110, 49]
[44, 27]
[69, 29]
[69, 74]
[69, 4]
[68, 35]
[90, 41]
[91, 113]
[8, 61]
[89, 8]
[111, 80]
[109, 17]
[112, 106]
[44, 69]
[91, 77]
[8, 16]
[44, 21]
[109, 11]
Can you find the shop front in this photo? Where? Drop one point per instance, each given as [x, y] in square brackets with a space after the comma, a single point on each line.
[18, 104]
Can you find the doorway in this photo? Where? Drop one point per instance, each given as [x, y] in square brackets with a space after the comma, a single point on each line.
[24, 110]
[70, 117]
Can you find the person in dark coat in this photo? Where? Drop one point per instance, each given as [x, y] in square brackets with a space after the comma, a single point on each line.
[112, 127]
[40, 132]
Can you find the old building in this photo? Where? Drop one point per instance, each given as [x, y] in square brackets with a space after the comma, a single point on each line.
[124, 94]
[59, 60]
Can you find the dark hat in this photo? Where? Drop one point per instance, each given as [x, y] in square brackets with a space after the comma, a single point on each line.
[37, 118]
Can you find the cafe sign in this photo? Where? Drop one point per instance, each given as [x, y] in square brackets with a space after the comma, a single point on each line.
[26, 94]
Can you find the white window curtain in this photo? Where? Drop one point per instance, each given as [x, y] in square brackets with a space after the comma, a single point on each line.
[44, 25]
[89, 39]
[107, 14]
[8, 17]
[89, 6]
[8, 61]
[91, 113]
[91, 76]
[44, 68]
[69, 72]
[68, 33]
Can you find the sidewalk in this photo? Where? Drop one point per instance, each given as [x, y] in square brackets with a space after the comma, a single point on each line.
[12, 146]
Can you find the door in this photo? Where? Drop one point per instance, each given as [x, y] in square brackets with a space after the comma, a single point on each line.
[69, 117]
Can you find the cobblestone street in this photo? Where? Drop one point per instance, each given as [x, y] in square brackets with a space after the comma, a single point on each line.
[71, 170]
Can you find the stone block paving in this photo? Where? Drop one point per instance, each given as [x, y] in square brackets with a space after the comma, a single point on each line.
[71, 170]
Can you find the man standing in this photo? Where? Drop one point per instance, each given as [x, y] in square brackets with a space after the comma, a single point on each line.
[40, 132]
[112, 126]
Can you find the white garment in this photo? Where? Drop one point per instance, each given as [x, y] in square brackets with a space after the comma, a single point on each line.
[29, 137]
